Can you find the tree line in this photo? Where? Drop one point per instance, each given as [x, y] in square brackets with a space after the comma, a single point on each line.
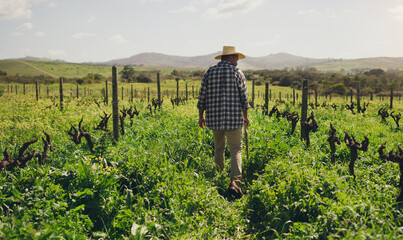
[375, 81]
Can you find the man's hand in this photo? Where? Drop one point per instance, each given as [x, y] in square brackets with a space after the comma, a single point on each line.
[245, 123]
[202, 122]
[245, 118]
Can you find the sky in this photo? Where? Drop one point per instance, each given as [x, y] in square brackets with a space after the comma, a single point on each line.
[102, 30]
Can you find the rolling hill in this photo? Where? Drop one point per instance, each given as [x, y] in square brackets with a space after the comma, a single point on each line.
[31, 66]
[272, 61]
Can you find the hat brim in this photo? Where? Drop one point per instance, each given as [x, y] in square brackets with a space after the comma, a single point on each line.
[240, 56]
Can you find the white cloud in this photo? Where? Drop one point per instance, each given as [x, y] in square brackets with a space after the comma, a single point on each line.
[227, 8]
[52, 4]
[118, 39]
[269, 42]
[185, 9]
[17, 9]
[327, 13]
[83, 35]
[40, 34]
[25, 51]
[57, 53]
[397, 12]
[309, 12]
[25, 26]
[18, 34]
[92, 19]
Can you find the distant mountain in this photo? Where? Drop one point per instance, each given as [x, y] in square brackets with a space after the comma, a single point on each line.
[272, 61]
[163, 60]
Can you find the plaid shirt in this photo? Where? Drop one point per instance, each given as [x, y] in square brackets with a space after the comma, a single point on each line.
[223, 95]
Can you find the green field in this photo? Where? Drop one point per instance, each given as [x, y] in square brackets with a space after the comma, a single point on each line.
[71, 70]
[159, 180]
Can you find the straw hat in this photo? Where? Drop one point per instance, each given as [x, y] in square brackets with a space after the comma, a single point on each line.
[229, 50]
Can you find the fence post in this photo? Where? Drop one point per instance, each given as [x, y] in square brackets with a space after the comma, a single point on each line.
[391, 97]
[304, 109]
[61, 93]
[358, 97]
[316, 96]
[187, 96]
[37, 90]
[253, 92]
[106, 92]
[266, 100]
[115, 104]
[351, 96]
[158, 87]
[293, 97]
[132, 93]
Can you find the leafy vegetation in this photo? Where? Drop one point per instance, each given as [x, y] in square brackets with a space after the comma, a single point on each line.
[159, 180]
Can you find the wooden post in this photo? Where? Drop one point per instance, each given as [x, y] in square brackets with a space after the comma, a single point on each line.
[351, 96]
[122, 93]
[391, 97]
[266, 100]
[177, 88]
[253, 92]
[115, 104]
[106, 92]
[61, 93]
[159, 87]
[132, 93]
[24, 88]
[316, 96]
[304, 109]
[193, 92]
[148, 97]
[187, 96]
[358, 97]
[47, 92]
[371, 96]
[37, 90]
[293, 97]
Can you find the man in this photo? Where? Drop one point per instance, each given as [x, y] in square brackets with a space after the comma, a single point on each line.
[224, 97]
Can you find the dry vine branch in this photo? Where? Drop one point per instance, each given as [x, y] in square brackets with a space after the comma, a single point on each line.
[354, 147]
[24, 156]
[293, 118]
[396, 157]
[396, 118]
[276, 111]
[77, 134]
[103, 125]
[333, 139]
[46, 147]
[351, 107]
[309, 126]
[383, 113]
[131, 113]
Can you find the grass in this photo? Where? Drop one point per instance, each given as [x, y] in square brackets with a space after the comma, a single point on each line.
[159, 180]
[14, 68]
[73, 70]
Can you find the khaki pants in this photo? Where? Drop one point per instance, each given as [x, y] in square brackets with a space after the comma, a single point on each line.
[234, 138]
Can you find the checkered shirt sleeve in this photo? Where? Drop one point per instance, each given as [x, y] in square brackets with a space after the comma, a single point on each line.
[223, 95]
